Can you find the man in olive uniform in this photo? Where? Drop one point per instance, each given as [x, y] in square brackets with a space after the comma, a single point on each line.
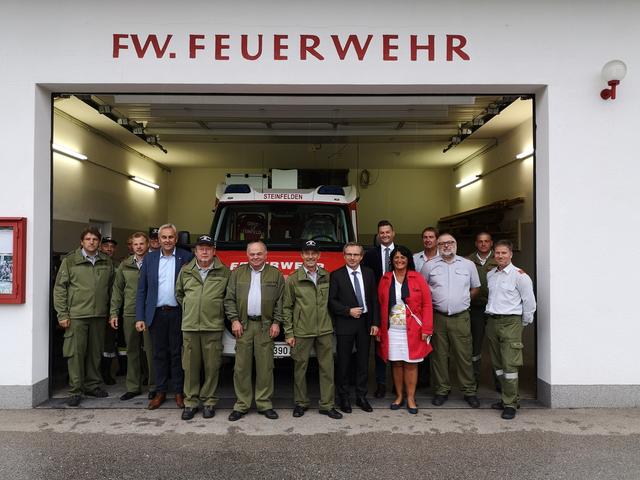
[200, 290]
[253, 305]
[453, 281]
[123, 305]
[484, 261]
[510, 307]
[81, 299]
[307, 324]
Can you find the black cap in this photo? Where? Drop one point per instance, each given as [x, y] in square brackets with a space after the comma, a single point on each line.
[205, 240]
[109, 240]
[310, 245]
[153, 232]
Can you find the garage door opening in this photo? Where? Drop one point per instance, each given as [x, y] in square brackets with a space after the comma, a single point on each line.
[461, 163]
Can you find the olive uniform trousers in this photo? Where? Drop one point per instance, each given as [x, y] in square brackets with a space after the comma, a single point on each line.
[198, 349]
[505, 342]
[452, 339]
[324, 353]
[83, 342]
[255, 341]
[134, 366]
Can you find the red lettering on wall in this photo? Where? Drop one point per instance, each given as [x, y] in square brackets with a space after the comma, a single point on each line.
[306, 48]
[244, 40]
[117, 46]
[193, 44]
[220, 46]
[354, 41]
[429, 47]
[455, 44]
[152, 40]
[278, 47]
[387, 47]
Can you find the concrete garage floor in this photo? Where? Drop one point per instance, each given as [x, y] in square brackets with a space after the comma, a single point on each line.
[283, 396]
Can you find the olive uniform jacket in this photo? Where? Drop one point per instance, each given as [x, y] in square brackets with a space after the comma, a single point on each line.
[482, 297]
[202, 301]
[305, 305]
[237, 296]
[82, 289]
[125, 286]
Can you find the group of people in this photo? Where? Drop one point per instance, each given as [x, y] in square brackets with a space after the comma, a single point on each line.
[434, 302]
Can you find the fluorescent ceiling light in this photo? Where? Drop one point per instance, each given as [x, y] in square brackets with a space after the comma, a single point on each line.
[145, 182]
[346, 100]
[468, 181]
[68, 152]
[525, 153]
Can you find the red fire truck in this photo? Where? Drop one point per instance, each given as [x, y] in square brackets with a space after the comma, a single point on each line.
[282, 219]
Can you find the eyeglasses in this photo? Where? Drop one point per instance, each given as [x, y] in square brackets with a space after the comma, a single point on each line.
[446, 244]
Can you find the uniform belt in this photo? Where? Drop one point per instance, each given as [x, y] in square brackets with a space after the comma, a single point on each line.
[452, 315]
[166, 308]
[502, 315]
[255, 318]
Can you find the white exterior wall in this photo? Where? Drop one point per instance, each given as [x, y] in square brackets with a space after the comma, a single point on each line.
[585, 170]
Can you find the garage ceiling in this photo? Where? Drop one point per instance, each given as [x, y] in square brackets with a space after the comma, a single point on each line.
[299, 131]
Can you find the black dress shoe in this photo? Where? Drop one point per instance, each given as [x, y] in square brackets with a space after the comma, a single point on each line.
[500, 406]
[270, 413]
[188, 413]
[396, 406]
[345, 405]
[333, 413]
[438, 400]
[299, 410]
[472, 400]
[208, 411]
[236, 415]
[509, 413]
[380, 391]
[97, 392]
[151, 394]
[364, 404]
[74, 400]
[412, 410]
[129, 395]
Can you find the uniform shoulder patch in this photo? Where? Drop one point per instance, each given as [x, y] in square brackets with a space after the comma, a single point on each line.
[520, 271]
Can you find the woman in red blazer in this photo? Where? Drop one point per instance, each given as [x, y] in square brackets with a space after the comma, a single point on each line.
[406, 324]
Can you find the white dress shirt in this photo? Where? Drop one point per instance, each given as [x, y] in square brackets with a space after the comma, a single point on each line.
[361, 282]
[313, 276]
[511, 293]
[382, 249]
[254, 302]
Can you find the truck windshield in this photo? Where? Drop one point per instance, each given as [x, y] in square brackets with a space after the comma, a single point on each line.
[282, 225]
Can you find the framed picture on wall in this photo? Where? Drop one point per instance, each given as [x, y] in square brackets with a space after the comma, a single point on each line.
[12, 259]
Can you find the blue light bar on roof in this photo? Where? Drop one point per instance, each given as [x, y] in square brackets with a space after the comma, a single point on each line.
[330, 190]
[238, 188]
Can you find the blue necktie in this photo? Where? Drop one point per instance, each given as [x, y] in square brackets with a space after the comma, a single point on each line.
[356, 284]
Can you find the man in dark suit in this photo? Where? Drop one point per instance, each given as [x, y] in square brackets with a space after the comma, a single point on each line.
[158, 310]
[353, 303]
[378, 260]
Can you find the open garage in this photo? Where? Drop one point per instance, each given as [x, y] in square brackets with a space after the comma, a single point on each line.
[461, 163]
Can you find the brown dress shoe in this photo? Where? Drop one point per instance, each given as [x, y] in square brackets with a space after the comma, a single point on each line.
[157, 400]
[180, 400]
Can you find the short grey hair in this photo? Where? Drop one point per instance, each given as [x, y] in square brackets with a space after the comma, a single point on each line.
[168, 225]
[352, 244]
[257, 242]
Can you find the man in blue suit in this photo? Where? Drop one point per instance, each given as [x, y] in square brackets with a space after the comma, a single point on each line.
[158, 310]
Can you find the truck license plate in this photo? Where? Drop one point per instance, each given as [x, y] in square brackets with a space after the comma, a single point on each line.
[281, 349]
